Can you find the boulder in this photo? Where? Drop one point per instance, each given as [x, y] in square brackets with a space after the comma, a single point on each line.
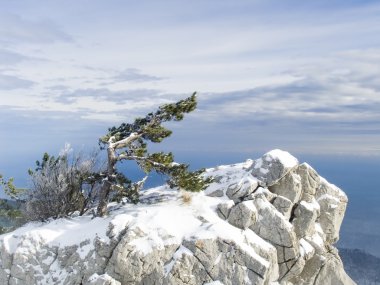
[223, 209]
[271, 224]
[305, 216]
[309, 181]
[243, 215]
[246, 186]
[333, 203]
[283, 205]
[289, 187]
[272, 166]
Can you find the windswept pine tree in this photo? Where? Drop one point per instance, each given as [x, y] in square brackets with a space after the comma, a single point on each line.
[129, 142]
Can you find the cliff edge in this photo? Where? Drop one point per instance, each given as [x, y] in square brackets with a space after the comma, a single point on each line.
[266, 221]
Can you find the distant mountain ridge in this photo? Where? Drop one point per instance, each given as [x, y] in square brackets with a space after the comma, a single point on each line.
[363, 268]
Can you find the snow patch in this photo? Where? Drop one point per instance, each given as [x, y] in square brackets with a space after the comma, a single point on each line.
[217, 260]
[177, 255]
[311, 206]
[329, 197]
[217, 282]
[306, 248]
[284, 157]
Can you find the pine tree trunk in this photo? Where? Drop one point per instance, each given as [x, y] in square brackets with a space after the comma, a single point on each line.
[106, 187]
[103, 199]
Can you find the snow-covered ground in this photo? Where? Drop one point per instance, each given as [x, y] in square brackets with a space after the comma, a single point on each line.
[238, 231]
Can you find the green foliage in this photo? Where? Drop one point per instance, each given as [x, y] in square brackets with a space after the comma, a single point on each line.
[10, 212]
[189, 180]
[150, 126]
[132, 138]
[47, 161]
[10, 189]
[120, 184]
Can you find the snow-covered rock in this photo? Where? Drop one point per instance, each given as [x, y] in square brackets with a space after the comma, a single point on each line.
[274, 165]
[243, 215]
[269, 221]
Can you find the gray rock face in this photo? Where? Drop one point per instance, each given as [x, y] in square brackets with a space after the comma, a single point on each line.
[243, 188]
[271, 221]
[243, 215]
[305, 216]
[332, 272]
[283, 205]
[333, 204]
[224, 209]
[309, 181]
[289, 187]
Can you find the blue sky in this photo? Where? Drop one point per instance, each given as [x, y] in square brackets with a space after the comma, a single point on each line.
[302, 76]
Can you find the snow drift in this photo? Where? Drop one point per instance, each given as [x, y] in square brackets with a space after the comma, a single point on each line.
[265, 221]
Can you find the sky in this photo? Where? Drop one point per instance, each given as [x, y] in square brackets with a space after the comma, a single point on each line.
[302, 76]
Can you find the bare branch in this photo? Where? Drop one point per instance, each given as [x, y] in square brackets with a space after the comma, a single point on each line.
[124, 142]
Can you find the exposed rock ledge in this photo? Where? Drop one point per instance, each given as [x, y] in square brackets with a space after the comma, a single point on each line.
[267, 221]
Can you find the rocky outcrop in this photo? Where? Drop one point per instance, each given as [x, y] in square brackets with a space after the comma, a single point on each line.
[267, 221]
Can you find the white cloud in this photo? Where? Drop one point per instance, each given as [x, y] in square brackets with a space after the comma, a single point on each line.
[134, 75]
[321, 92]
[11, 58]
[314, 67]
[15, 30]
[10, 82]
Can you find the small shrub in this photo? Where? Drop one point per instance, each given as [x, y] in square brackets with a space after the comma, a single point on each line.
[62, 185]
